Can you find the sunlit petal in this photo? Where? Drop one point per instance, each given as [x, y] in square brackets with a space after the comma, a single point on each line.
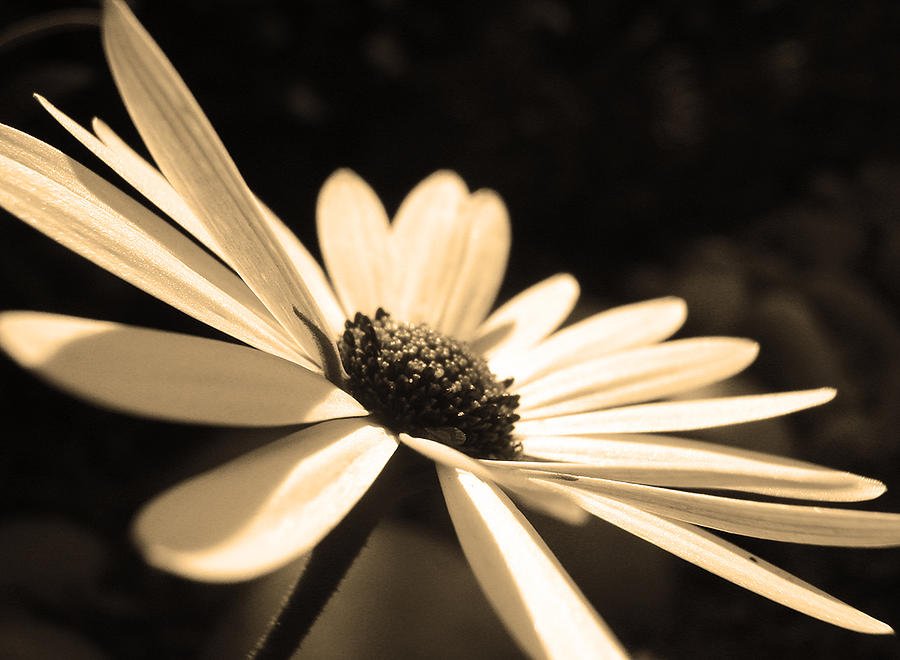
[537, 601]
[615, 329]
[140, 174]
[426, 239]
[170, 376]
[475, 277]
[258, 512]
[679, 462]
[354, 234]
[528, 317]
[730, 562]
[533, 496]
[75, 207]
[641, 374]
[153, 185]
[679, 415]
[309, 270]
[814, 525]
[193, 159]
[147, 180]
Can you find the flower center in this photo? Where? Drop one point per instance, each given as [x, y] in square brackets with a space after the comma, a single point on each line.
[423, 383]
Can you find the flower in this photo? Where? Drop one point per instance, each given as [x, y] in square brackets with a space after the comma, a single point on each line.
[504, 402]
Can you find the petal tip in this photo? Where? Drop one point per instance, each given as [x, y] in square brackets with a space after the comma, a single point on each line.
[872, 488]
[448, 176]
[342, 174]
[25, 339]
[569, 281]
[827, 393]
[677, 304]
[875, 627]
[341, 183]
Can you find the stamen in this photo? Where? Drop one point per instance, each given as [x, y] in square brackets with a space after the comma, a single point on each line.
[421, 382]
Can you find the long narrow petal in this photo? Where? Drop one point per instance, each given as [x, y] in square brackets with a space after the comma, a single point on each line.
[791, 523]
[476, 277]
[533, 595]
[153, 185]
[679, 462]
[170, 376]
[607, 332]
[427, 239]
[310, 271]
[730, 562]
[641, 374]
[528, 317]
[193, 159]
[160, 192]
[73, 206]
[354, 234]
[140, 174]
[262, 510]
[532, 495]
[679, 415]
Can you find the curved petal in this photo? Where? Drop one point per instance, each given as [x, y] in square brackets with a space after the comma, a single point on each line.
[616, 329]
[427, 242]
[679, 462]
[520, 484]
[790, 523]
[260, 511]
[528, 317]
[310, 271]
[140, 174]
[148, 181]
[730, 562]
[170, 376]
[475, 275]
[354, 235]
[533, 595]
[679, 415]
[641, 374]
[73, 206]
[193, 159]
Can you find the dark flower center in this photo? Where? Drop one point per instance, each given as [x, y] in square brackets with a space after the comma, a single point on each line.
[423, 383]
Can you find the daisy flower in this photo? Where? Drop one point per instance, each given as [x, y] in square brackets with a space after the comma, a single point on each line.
[398, 344]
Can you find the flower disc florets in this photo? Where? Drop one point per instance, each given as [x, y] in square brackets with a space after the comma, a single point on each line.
[423, 383]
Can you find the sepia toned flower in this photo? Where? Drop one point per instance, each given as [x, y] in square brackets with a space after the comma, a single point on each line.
[394, 342]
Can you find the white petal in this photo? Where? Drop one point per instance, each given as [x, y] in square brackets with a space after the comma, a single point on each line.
[147, 180]
[679, 415]
[641, 374]
[193, 159]
[609, 331]
[730, 562]
[75, 207]
[427, 241]
[140, 174]
[309, 270]
[532, 495]
[528, 317]
[475, 275]
[150, 182]
[354, 234]
[170, 376]
[260, 511]
[791, 523]
[679, 462]
[533, 595]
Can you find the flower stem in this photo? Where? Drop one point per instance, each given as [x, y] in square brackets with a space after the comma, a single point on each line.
[333, 557]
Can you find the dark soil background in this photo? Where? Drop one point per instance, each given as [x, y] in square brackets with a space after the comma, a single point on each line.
[743, 155]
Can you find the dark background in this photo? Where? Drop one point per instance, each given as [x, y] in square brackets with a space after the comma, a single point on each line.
[746, 157]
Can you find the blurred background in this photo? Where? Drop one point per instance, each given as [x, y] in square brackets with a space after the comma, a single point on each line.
[745, 157]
